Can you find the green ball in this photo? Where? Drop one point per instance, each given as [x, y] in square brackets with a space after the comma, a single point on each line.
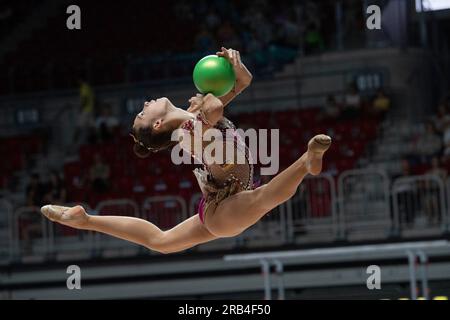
[215, 75]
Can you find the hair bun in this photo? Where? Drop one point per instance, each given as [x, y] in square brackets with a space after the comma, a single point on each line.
[141, 151]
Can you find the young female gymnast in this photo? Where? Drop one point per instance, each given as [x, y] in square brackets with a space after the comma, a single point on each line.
[230, 203]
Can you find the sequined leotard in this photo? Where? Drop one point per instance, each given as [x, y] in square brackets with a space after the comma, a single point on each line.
[219, 181]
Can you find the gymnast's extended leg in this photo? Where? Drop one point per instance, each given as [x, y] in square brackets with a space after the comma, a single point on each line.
[185, 235]
[240, 211]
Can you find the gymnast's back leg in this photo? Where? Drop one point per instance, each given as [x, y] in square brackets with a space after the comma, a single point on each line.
[240, 211]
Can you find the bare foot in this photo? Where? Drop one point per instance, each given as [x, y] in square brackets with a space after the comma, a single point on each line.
[317, 146]
[75, 217]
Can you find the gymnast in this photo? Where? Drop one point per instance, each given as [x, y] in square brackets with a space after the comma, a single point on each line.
[231, 202]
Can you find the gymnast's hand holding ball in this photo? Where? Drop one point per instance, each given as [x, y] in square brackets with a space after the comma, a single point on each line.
[215, 73]
[222, 75]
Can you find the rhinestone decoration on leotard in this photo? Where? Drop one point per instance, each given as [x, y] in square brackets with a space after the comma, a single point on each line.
[223, 125]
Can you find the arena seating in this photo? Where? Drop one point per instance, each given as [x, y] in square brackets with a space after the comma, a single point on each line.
[16, 151]
[12, 13]
[145, 45]
[68, 54]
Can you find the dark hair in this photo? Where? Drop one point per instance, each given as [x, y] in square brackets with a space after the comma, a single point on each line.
[147, 141]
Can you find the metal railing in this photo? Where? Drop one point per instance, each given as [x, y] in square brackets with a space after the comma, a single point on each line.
[30, 234]
[65, 242]
[447, 222]
[408, 250]
[6, 231]
[419, 205]
[312, 211]
[359, 207]
[165, 211]
[270, 230]
[104, 243]
[364, 204]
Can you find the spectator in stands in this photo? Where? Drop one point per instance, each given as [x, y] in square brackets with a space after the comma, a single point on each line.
[381, 103]
[85, 123]
[204, 41]
[288, 29]
[226, 34]
[352, 103]
[314, 42]
[106, 124]
[260, 27]
[35, 191]
[437, 169]
[406, 168]
[354, 23]
[253, 45]
[183, 10]
[99, 175]
[312, 11]
[55, 190]
[429, 144]
[447, 142]
[212, 19]
[430, 194]
[331, 109]
[441, 119]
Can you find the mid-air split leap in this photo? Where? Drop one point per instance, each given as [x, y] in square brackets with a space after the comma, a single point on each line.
[230, 203]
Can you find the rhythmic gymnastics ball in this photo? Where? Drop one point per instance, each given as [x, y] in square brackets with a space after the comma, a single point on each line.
[215, 75]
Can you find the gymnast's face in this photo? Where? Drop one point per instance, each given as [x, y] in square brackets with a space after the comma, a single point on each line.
[154, 114]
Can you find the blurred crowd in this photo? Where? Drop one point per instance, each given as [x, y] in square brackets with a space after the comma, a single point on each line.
[266, 31]
[353, 105]
[306, 25]
[12, 13]
[96, 121]
[429, 153]
[430, 146]
[249, 27]
[268, 34]
[39, 192]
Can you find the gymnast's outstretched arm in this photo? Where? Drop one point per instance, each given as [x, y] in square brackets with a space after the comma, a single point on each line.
[243, 75]
[185, 235]
[208, 104]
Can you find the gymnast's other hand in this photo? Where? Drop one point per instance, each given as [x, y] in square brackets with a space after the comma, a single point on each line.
[196, 103]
